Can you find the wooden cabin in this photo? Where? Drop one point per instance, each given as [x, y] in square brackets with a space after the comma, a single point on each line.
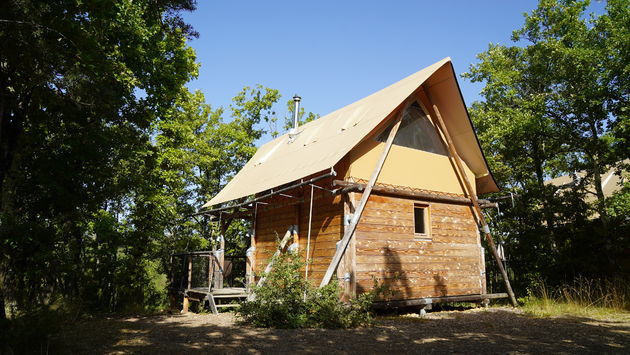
[383, 188]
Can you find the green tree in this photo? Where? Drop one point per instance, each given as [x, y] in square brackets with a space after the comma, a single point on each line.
[253, 106]
[303, 116]
[81, 84]
[556, 103]
[577, 50]
[514, 123]
[105, 153]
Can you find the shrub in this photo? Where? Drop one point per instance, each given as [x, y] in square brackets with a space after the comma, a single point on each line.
[327, 311]
[287, 300]
[30, 332]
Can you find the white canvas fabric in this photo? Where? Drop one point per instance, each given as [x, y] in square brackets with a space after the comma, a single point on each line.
[322, 143]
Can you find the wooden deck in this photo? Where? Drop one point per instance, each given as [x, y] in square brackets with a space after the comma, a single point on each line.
[228, 292]
[219, 267]
[202, 294]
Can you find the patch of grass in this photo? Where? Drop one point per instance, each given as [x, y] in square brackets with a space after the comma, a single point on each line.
[583, 297]
[544, 308]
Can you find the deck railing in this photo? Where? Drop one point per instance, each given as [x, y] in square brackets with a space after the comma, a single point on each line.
[206, 269]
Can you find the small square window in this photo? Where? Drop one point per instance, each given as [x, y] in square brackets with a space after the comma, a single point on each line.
[418, 216]
[421, 222]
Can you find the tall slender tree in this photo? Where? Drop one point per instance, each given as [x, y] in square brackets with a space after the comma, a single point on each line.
[81, 83]
[556, 104]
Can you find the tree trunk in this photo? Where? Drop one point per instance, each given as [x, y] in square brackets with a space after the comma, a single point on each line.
[540, 182]
[599, 192]
[597, 179]
[601, 200]
[10, 129]
[3, 313]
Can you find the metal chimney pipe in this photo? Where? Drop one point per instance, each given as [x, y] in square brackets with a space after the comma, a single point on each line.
[296, 112]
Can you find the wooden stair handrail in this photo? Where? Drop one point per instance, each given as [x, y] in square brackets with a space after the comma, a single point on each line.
[287, 236]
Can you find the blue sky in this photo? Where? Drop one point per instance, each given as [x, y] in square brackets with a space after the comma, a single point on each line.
[333, 53]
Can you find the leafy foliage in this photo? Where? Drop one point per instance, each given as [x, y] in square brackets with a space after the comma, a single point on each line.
[83, 86]
[104, 152]
[303, 116]
[555, 103]
[287, 300]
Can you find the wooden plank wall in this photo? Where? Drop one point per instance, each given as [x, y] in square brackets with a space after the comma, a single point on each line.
[326, 230]
[450, 264]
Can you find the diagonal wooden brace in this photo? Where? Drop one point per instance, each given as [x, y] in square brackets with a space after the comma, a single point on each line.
[472, 195]
[349, 231]
[287, 236]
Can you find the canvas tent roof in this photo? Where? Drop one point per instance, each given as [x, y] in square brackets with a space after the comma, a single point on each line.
[611, 182]
[322, 143]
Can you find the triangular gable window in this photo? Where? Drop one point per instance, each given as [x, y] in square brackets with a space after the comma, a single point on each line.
[416, 132]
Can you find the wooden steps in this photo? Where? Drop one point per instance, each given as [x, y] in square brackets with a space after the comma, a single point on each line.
[204, 294]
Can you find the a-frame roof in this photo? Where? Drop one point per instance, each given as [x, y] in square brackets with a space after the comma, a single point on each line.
[322, 143]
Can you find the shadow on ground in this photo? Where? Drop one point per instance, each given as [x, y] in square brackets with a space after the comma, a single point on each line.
[477, 331]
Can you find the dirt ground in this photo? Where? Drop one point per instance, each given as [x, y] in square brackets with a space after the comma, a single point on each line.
[493, 330]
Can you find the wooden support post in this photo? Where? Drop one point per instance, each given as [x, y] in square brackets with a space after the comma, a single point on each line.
[473, 197]
[349, 230]
[190, 260]
[210, 271]
[482, 265]
[251, 253]
[353, 250]
[347, 267]
[188, 285]
[220, 254]
[221, 258]
[185, 304]
[215, 274]
[308, 237]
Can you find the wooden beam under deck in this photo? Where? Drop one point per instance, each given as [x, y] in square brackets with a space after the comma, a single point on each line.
[442, 299]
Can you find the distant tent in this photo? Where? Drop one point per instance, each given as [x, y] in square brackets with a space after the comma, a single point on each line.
[611, 182]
